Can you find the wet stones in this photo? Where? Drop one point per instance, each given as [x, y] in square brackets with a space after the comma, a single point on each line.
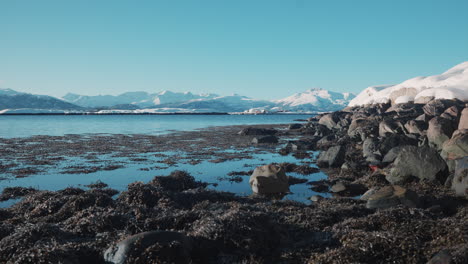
[265, 140]
[423, 163]
[269, 179]
[165, 246]
[390, 196]
[347, 189]
[333, 157]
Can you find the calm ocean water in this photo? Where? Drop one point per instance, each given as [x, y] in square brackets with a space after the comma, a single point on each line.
[57, 125]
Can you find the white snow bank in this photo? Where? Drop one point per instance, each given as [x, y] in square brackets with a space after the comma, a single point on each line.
[448, 85]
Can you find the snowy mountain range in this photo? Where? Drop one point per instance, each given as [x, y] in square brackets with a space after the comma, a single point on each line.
[313, 100]
[448, 85]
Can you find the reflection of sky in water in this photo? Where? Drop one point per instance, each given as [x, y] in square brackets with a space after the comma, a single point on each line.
[205, 171]
[24, 126]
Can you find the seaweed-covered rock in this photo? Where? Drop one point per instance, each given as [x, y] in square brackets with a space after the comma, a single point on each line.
[265, 140]
[253, 131]
[152, 246]
[177, 181]
[15, 192]
[390, 196]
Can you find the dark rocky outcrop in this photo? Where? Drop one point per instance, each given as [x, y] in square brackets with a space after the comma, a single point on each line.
[265, 140]
[423, 163]
[333, 157]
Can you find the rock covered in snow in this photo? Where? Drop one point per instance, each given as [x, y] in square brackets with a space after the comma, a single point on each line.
[452, 84]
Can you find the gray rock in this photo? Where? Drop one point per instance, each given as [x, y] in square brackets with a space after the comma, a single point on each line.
[460, 179]
[439, 131]
[390, 196]
[392, 155]
[452, 113]
[269, 179]
[119, 253]
[435, 107]
[389, 127]
[423, 117]
[370, 147]
[330, 120]
[463, 124]
[333, 157]
[394, 140]
[423, 163]
[265, 140]
[316, 198]
[416, 127]
[348, 189]
[455, 148]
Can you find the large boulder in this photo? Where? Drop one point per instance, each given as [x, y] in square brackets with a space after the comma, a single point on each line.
[455, 148]
[423, 163]
[390, 196]
[370, 151]
[436, 107]
[440, 130]
[460, 179]
[452, 113]
[361, 128]
[269, 179]
[395, 140]
[463, 124]
[333, 157]
[167, 246]
[330, 120]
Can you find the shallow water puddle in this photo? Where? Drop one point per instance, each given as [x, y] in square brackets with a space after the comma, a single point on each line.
[148, 165]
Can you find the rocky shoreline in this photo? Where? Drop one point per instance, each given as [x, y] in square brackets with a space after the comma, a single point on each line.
[399, 175]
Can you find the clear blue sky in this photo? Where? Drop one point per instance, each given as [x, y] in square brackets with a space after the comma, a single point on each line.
[260, 48]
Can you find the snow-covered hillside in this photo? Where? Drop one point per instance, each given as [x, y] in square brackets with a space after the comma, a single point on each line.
[315, 100]
[448, 85]
[10, 99]
[142, 99]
